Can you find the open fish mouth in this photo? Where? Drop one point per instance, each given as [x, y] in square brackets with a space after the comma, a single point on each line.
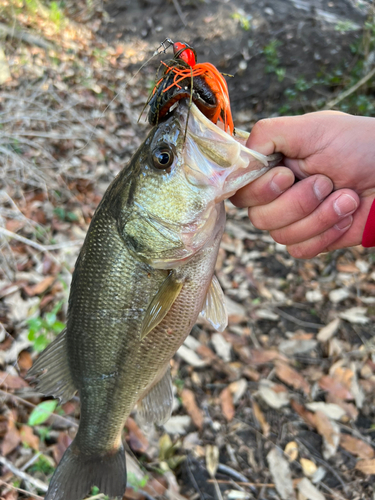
[215, 159]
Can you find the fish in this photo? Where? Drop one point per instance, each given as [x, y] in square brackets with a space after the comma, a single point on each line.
[144, 274]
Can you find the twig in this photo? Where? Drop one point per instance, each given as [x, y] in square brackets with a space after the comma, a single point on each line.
[350, 91]
[21, 490]
[26, 37]
[28, 242]
[72, 423]
[179, 12]
[231, 472]
[23, 475]
[299, 322]
[243, 483]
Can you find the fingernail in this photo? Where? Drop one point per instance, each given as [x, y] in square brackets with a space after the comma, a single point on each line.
[281, 181]
[322, 187]
[344, 223]
[345, 205]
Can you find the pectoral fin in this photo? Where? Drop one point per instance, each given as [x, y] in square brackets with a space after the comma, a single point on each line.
[214, 309]
[156, 406]
[160, 304]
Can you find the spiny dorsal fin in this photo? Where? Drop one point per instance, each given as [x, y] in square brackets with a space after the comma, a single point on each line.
[214, 309]
[51, 371]
[156, 406]
[160, 304]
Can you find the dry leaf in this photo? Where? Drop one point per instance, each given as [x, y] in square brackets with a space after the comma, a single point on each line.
[261, 357]
[355, 315]
[63, 441]
[275, 395]
[28, 437]
[191, 357]
[291, 377]
[291, 449]
[177, 424]
[40, 287]
[335, 387]
[308, 467]
[330, 433]
[212, 459]
[307, 416]
[12, 437]
[25, 361]
[366, 466]
[328, 331]
[331, 410]
[356, 446]
[189, 403]
[258, 414]
[281, 475]
[12, 381]
[349, 408]
[227, 406]
[309, 490]
[222, 347]
[238, 389]
[137, 440]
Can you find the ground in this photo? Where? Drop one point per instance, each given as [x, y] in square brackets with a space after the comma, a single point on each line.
[281, 404]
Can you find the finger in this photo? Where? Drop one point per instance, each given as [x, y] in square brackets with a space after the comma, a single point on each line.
[294, 136]
[347, 235]
[264, 189]
[332, 212]
[320, 243]
[294, 204]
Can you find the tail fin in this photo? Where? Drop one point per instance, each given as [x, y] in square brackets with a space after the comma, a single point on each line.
[77, 473]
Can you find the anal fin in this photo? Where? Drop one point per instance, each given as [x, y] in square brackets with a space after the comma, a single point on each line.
[156, 406]
[51, 371]
[214, 309]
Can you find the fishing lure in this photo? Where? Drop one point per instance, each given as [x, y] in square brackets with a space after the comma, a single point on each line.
[202, 83]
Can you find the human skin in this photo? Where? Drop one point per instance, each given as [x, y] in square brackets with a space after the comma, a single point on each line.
[333, 155]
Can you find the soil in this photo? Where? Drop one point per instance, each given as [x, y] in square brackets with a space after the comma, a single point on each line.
[309, 42]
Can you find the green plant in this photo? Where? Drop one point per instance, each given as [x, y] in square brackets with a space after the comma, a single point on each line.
[43, 329]
[135, 483]
[345, 26]
[271, 54]
[65, 215]
[243, 19]
[43, 464]
[42, 412]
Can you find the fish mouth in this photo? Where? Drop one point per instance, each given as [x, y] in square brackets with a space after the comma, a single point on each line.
[214, 159]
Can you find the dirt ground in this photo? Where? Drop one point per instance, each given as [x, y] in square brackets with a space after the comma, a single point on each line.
[306, 31]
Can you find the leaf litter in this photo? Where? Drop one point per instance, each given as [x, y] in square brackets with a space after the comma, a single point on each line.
[294, 370]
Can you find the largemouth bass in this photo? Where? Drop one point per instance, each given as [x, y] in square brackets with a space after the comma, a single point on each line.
[144, 273]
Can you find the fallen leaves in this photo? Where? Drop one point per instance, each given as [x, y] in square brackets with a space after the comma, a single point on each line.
[258, 414]
[366, 466]
[356, 446]
[281, 474]
[291, 377]
[190, 405]
[227, 406]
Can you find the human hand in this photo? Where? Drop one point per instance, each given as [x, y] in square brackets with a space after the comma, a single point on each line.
[328, 150]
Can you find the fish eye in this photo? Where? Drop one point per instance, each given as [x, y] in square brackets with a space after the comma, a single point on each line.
[162, 158]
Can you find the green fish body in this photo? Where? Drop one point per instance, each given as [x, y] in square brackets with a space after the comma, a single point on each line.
[144, 273]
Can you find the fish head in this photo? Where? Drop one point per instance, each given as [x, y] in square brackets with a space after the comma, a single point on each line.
[180, 176]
